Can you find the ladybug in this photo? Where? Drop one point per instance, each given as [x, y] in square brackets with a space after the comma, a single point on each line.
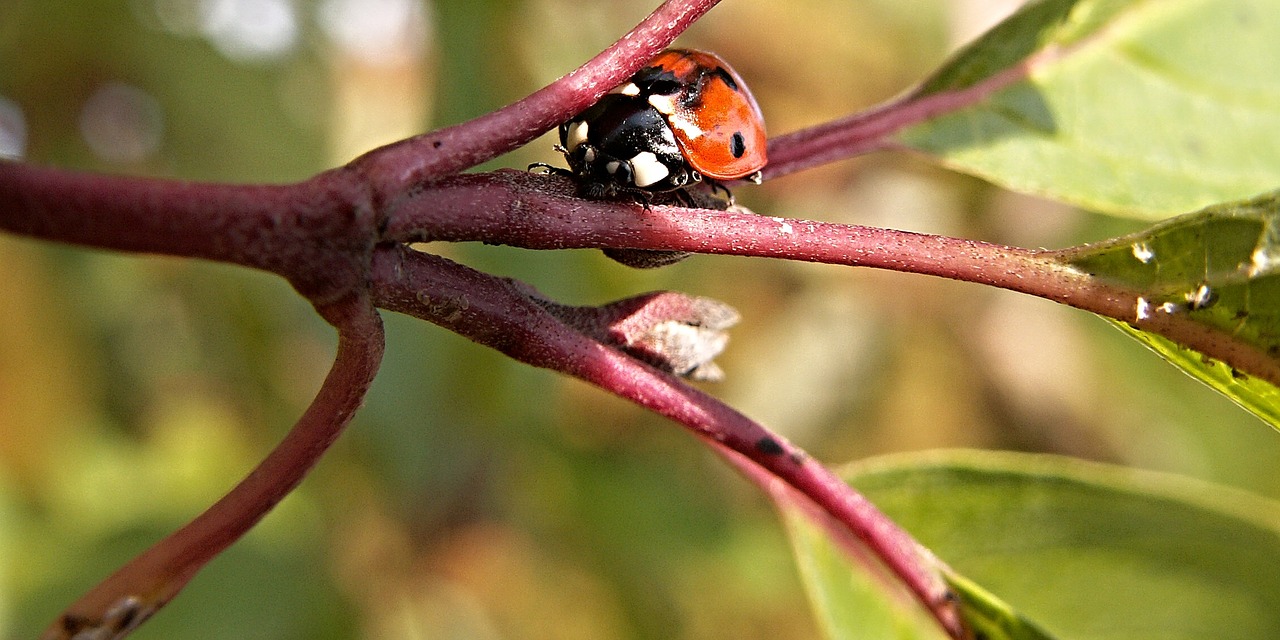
[684, 118]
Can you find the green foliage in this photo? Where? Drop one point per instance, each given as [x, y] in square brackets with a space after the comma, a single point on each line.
[1216, 267]
[466, 471]
[1124, 108]
[1137, 108]
[1062, 549]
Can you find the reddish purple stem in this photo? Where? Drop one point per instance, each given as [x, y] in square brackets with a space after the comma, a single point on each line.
[397, 167]
[539, 212]
[316, 233]
[339, 235]
[872, 130]
[500, 314]
[137, 590]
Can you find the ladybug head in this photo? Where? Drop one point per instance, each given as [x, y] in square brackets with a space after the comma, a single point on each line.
[622, 144]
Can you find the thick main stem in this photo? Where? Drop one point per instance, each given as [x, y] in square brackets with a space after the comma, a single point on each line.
[538, 212]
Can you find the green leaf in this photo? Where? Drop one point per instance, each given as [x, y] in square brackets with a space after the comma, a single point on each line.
[1068, 548]
[1255, 395]
[852, 600]
[1139, 108]
[990, 617]
[1219, 269]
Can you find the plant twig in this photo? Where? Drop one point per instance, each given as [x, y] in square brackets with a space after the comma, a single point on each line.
[403, 165]
[500, 314]
[320, 235]
[541, 212]
[316, 234]
[134, 592]
[324, 236]
[871, 130]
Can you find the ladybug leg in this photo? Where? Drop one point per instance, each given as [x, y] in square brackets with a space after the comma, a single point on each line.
[644, 198]
[552, 170]
[545, 169]
[717, 186]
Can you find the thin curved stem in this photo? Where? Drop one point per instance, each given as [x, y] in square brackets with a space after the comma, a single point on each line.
[144, 585]
[400, 166]
[500, 314]
[871, 130]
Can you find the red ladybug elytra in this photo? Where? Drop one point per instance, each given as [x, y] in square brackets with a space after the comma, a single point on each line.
[685, 116]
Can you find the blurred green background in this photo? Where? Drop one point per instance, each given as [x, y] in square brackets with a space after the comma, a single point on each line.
[474, 497]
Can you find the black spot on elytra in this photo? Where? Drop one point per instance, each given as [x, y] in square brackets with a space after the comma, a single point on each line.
[769, 447]
[737, 144]
[656, 81]
[727, 77]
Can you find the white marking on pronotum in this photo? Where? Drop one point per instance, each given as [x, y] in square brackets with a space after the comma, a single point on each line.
[690, 129]
[664, 104]
[1143, 252]
[576, 135]
[628, 89]
[1144, 308]
[647, 170]
[783, 225]
[612, 166]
